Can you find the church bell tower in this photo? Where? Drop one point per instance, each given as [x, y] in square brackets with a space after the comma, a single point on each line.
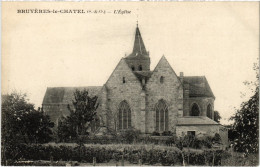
[139, 59]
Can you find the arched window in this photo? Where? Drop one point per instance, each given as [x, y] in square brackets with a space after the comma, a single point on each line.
[161, 79]
[140, 68]
[123, 79]
[133, 68]
[124, 116]
[195, 111]
[161, 110]
[209, 111]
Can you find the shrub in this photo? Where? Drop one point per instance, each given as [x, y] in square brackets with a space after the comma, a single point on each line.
[207, 142]
[171, 141]
[169, 158]
[130, 135]
[167, 133]
[37, 163]
[155, 133]
[196, 143]
[149, 154]
[146, 140]
[179, 144]
[216, 138]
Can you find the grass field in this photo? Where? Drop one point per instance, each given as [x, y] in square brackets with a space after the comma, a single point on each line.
[238, 159]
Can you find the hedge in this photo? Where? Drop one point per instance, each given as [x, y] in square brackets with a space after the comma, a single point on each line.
[38, 163]
[148, 154]
[162, 140]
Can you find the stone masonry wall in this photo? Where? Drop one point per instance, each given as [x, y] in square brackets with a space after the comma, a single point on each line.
[117, 91]
[202, 102]
[200, 130]
[102, 106]
[145, 63]
[170, 90]
[223, 132]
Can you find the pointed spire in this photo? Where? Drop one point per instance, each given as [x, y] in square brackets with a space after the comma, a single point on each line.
[139, 59]
[139, 47]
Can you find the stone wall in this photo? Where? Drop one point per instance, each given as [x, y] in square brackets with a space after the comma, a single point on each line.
[170, 90]
[202, 102]
[117, 91]
[141, 61]
[223, 132]
[102, 106]
[200, 130]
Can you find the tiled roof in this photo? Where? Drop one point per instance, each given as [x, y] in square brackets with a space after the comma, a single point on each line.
[195, 120]
[66, 94]
[198, 86]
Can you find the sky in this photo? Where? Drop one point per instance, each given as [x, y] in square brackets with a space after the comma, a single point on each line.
[219, 40]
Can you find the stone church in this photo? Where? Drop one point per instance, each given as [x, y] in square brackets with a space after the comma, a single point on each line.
[135, 96]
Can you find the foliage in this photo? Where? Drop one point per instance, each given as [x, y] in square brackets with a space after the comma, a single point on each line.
[65, 131]
[167, 133]
[189, 142]
[232, 135]
[216, 138]
[123, 138]
[197, 143]
[155, 133]
[38, 163]
[148, 154]
[21, 123]
[207, 142]
[246, 121]
[246, 124]
[130, 135]
[172, 140]
[238, 159]
[82, 113]
[186, 141]
[217, 116]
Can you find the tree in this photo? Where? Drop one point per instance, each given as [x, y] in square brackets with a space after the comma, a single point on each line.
[82, 113]
[21, 123]
[246, 124]
[65, 130]
[246, 121]
[217, 116]
[38, 126]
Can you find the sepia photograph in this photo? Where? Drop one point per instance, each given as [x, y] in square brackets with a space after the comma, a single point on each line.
[130, 83]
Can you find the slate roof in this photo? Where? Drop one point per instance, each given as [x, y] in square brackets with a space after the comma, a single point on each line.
[139, 48]
[198, 86]
[195, 120]
[65, 95]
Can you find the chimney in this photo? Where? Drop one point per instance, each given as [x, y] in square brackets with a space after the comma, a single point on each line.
[181, 77]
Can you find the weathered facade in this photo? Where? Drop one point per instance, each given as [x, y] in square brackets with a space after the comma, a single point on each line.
[149, 100]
